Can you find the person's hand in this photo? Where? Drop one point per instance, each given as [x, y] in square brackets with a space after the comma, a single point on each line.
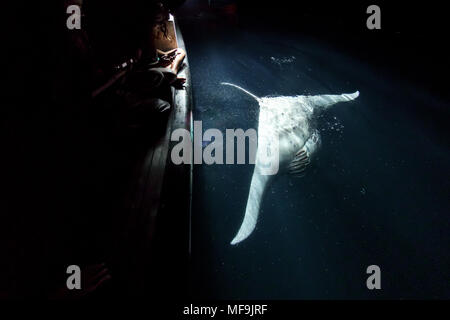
[165, 61]
[166, 58]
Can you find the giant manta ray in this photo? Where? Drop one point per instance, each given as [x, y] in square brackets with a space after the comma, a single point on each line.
[285, 136]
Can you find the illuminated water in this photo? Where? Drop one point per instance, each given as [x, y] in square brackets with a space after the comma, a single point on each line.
[376, 194]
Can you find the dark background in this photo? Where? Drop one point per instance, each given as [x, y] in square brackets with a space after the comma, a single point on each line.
[411, 39]
[46, 153]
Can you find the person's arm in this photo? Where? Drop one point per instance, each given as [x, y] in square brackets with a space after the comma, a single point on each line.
[167, 53]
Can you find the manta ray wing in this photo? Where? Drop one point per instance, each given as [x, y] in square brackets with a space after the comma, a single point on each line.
[257, 189]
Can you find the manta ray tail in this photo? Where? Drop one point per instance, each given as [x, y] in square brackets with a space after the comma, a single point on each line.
[242, 89]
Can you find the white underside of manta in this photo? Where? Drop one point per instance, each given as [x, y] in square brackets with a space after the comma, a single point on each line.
[284, 135]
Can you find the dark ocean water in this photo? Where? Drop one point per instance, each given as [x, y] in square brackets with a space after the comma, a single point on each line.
[378, 192]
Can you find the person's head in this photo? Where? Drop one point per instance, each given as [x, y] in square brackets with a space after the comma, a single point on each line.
[159, 16]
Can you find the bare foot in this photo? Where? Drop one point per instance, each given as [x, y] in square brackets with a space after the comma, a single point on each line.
[179, 83]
